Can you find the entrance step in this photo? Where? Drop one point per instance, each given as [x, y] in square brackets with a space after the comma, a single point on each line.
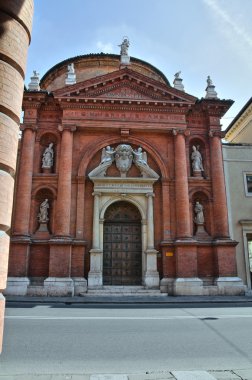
[124, 291]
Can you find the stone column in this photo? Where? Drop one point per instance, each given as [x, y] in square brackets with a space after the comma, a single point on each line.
[225, 256]
[59, 281]
[16, 22]
[151, 277]
[21, 221]
[181, 187]
[95, 273]
[219, 191]
[63, 207]
[24, 188]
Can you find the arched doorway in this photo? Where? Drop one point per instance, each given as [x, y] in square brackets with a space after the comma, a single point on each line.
[122, 245]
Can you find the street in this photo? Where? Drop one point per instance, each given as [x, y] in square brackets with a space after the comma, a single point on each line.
[103, 338]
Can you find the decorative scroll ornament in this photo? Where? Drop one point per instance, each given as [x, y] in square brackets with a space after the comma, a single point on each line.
[124, 156]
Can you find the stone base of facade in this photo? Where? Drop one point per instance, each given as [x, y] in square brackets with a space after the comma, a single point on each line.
[188, 286]
[167, 285]
[231, 286]
[80, 285]
[17, 286]
[59, 286]
[2, 310]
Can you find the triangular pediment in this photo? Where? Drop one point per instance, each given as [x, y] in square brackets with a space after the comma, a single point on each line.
[124, 85]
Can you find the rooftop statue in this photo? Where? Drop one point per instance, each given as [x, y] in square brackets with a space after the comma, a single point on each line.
[124, 46]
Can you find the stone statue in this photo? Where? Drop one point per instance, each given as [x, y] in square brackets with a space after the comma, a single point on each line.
[199, 216]
[209, 81]
[43, 212]
[47, 160]
[140, 156]
[196, 158]
[177, 75]
[70, 68]
[124, 156]
[124, 46]
[107, 155]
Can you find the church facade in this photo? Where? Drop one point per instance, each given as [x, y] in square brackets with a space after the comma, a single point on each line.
[120, 185]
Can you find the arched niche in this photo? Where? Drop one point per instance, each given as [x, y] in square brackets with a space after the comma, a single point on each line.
[38, 197]
[202, 197]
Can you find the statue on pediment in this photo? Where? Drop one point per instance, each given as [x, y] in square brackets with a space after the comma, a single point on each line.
[124, 46]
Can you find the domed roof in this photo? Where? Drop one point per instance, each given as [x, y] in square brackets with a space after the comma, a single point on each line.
[93, 65]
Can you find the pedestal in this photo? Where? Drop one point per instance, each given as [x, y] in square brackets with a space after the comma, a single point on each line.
[42, 232]
[56, 286]
[16, 286]
[230, 286]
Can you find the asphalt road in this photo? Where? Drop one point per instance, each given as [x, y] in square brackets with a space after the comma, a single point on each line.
[125, 338]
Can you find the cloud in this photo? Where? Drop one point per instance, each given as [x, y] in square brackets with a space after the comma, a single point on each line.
[227, 20]
[105, 47]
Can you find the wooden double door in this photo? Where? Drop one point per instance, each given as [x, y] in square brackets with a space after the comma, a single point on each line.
[122, 245]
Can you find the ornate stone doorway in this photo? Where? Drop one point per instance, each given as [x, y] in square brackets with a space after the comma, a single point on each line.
[122, 245]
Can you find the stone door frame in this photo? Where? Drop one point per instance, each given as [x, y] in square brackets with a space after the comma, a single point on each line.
[139, 192]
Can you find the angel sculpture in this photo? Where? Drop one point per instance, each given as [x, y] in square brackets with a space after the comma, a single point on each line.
[107, 155]
[140, 157]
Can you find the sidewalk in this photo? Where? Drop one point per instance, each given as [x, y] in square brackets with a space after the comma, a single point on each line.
[137, 299]
[241, 374]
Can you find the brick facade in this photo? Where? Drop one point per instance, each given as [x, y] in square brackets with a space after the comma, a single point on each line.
[111, 105]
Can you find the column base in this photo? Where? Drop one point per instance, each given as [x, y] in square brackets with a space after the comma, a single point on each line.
[16, 286]
[230, 286]
[151, 280]
[59, 286]
[80, 285]
[192, 286]
[95, 279]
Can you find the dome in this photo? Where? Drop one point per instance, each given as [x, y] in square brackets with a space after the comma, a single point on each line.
[94, 65]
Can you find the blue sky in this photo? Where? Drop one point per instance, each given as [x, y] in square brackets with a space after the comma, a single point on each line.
[198, 37]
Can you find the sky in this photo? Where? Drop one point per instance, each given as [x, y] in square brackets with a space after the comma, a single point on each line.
[197, 37]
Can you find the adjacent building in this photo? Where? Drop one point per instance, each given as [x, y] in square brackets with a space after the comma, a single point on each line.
[237, 155]
[120, 184]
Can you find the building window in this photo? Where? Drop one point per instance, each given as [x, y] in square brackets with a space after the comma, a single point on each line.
[248, 183]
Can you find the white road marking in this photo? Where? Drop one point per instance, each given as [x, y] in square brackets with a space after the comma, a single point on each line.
[201, 317]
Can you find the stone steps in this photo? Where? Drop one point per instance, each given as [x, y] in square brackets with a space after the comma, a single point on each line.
[124, 291]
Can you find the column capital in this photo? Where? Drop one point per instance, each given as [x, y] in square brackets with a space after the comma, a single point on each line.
[96, 193]
[177, 131]
[32, 127]
[214, 133]
[148, 195]
[67, 127]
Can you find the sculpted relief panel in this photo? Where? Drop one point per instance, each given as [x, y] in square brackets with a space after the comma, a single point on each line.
[123, 156]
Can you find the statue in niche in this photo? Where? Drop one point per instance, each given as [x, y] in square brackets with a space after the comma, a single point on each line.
[196, 158]
[124, 46]
[199, 215]
[43, 212]
[47, 159]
